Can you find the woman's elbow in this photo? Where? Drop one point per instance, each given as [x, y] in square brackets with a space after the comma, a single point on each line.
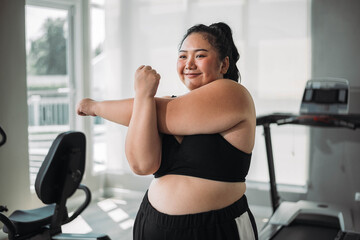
[141, 167]
[142, 171]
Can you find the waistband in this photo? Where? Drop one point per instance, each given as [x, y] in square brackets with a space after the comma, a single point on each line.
[196, 220]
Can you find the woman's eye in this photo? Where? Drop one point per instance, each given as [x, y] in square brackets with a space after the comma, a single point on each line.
[200, 56]
[182, 56]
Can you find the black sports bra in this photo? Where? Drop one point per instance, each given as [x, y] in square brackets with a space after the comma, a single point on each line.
[207, 156]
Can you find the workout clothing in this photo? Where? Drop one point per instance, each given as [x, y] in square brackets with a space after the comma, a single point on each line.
[207, 156]
[234, 222]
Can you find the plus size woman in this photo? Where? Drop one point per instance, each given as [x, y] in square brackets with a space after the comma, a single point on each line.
[198, 146]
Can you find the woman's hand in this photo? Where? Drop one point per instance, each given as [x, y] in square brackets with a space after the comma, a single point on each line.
[86, 107]
[146, 81]
[143, 142]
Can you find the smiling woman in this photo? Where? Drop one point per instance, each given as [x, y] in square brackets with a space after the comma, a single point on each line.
[198, 66]
[199, 182]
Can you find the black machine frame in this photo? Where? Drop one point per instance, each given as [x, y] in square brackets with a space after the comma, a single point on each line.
[314, 120]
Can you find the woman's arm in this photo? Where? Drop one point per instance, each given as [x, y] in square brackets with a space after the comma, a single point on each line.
[143, 142]
[118, 111]
[213, 108]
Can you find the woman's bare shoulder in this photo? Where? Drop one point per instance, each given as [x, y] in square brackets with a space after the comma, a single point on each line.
[223, 91]
[226, 85]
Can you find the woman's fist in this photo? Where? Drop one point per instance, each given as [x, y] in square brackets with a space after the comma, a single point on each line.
[146, 81]
[86, 107]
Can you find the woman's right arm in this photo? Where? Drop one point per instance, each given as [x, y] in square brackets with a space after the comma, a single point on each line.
[118, 111]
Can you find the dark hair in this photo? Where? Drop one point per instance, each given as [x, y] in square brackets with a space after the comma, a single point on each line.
[220, 37]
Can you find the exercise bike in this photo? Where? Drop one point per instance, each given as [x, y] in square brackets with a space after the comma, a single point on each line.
[2, 142]
[58, 179]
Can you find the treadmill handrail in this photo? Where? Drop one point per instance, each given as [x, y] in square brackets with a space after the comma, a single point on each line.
[313, 120]
[272, 118]
[319, 120]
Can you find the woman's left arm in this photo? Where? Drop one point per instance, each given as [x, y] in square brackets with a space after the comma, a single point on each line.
[143, 142]
[212, 108]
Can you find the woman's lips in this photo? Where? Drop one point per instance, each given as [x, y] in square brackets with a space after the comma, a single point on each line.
[192, 75]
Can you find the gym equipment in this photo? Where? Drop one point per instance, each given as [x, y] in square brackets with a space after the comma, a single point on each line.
[324, 104]
[2, 137]
[58, 178]
[326, 96]
[2, 142]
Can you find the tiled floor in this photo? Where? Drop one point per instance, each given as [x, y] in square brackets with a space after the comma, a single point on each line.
[115, 217]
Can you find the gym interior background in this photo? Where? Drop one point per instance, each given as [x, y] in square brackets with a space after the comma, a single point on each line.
[330, 46]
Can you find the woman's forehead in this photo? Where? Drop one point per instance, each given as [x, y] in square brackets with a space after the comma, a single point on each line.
[196, 41]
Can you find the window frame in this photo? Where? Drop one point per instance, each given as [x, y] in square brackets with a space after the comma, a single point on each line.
[79, 70]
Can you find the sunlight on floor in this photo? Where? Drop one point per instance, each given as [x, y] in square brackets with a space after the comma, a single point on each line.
[116, 213]
[78, 225]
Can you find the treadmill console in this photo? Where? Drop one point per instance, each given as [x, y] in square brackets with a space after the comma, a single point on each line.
[326, 96]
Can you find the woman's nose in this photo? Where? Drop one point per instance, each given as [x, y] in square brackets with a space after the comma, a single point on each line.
[190, 64]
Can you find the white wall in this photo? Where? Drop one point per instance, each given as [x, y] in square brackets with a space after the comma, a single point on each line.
[14, 164]
[334, 159]
[14, 158]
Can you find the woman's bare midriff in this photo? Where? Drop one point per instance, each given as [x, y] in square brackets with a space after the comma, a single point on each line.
[178, 194]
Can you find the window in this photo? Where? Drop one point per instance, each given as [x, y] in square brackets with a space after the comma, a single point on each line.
[98, 90]
[50, 80]
[276, 66]
[273, 40]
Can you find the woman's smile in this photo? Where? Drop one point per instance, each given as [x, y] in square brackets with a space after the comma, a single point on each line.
[192, 75]
[198, 62]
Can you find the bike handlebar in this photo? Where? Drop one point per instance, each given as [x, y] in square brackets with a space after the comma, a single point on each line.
[3, 137]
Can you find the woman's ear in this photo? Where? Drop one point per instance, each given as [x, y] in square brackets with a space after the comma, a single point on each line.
[224, 65]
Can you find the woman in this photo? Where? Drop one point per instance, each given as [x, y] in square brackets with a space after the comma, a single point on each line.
[198, 146]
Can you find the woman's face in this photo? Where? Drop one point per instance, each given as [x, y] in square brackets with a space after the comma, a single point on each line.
[198, 62]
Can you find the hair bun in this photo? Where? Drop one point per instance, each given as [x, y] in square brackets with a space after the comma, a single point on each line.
[223, 28]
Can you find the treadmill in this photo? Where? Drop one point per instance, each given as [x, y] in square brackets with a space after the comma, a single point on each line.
[325, 103]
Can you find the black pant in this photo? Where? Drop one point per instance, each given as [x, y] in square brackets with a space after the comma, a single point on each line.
[233, 222]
